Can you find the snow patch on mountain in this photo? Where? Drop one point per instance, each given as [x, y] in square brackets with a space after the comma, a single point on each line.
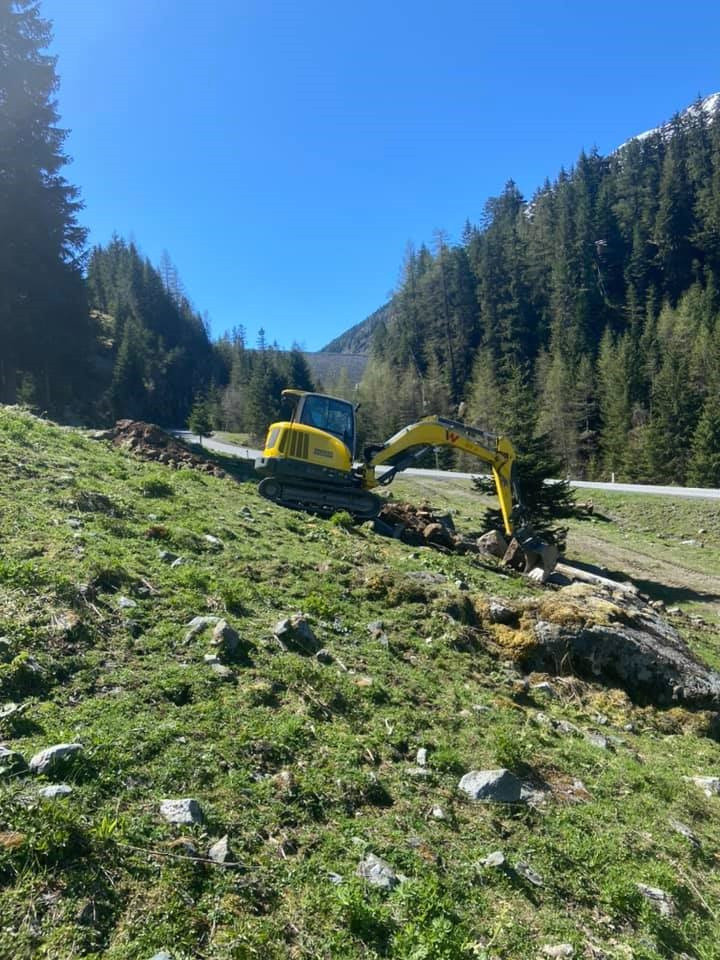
[709, 107]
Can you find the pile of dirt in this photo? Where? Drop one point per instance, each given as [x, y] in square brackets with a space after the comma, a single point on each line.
[422, 526]
[150, 442]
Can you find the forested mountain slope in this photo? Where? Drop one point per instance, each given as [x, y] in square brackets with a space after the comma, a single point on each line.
[589, 313]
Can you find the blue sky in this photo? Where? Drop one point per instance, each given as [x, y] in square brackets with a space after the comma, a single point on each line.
[286, 153]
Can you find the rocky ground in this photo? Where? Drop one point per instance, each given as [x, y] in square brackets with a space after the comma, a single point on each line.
[230, 730]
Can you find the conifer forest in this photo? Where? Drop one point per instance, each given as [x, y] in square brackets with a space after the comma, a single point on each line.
[587, 314]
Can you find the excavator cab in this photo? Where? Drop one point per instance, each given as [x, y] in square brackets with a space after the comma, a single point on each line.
[329, 414]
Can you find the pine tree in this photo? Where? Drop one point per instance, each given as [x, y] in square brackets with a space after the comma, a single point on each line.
[704, 464]
[44, 324]
[200, 419]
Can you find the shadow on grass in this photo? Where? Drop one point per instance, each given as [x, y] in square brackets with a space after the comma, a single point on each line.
[654, 589]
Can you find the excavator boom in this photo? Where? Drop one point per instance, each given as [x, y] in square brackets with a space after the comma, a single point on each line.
[412, 441]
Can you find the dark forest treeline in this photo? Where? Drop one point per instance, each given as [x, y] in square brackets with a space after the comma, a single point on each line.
[591, 314]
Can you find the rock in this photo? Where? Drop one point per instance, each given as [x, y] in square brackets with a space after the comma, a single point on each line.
[324, 656]
[545, 688]
[197, 625]
[500, 613]
[295, 633]
[55, 790]
[462, 585]
[186, 810]
[437, 813]
[526, 871]
[220, 851]
[178, 563]
[659, 899]
[493, 543]
[126, 603]
[494, 860]
[377, 872]
[12, 763]
[162, 955]
[213, 541]
[615, 635]
[334, 878]
[709, 785]
[684, 831]
[439, 534]
[425, 576]
[226, 639]
[497, 786]
[10, 710]
[418, 773]
[558, 950]
[222, 671]
[54, 757]
[421, 757]
[598, 740]
[167, 557]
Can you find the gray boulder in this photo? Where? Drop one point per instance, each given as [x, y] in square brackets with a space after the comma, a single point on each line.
[659, 899]
[197, 625]
[377, 872]
[12, 763]
[226, 639]
[295, 633]
[493, 543]
[220, 851]
[185, 811]
[53, 758]
[709, 785]
[492, 786]
[55, 790]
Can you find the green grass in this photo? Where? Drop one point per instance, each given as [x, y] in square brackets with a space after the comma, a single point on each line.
[306, 765]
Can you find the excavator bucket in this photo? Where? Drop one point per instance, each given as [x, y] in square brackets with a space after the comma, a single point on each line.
[533, 556]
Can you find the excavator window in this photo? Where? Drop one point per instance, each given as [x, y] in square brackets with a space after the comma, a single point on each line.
[333, 416]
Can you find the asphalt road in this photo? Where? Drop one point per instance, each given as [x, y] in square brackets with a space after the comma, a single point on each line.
[249, 453]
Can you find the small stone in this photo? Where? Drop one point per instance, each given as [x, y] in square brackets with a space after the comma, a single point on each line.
[53, 757]
[598, 740]
[421, 757]
[709, 785]
[178, 563]
[220, 851]
[213, 541]
[498, 786]
[437, 813]
[418, 773]
[526, 871]
[9, 710]
[377, 872]
[222, 671]
[186, 810]
[545, 688]
[674, 611]
[197, 625]
[659, 899]
[295, 633]
[55, 790]
[494, 860]
[462, 585]
[73, 523]
[167, 557]
[334, 878]
[162, 955]
[12, 763]
[211, 658]
[376, 628]
[558, 950]
[500, 613]
[684, 831]
[324, 656]
[126, 603]
[226, 638]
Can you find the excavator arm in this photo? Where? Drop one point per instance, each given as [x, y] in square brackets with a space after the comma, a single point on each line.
[402, 449]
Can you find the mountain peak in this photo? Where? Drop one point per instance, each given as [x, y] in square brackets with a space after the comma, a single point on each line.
[708, 107]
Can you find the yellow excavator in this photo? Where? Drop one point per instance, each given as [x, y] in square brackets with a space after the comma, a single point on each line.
[309, 464]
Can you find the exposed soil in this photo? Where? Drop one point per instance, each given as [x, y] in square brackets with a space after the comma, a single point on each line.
[150, 442]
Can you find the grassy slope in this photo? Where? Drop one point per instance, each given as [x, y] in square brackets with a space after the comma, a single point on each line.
[304, 765]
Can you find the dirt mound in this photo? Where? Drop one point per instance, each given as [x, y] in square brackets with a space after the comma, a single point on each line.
[422, 526]
[150, 442]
